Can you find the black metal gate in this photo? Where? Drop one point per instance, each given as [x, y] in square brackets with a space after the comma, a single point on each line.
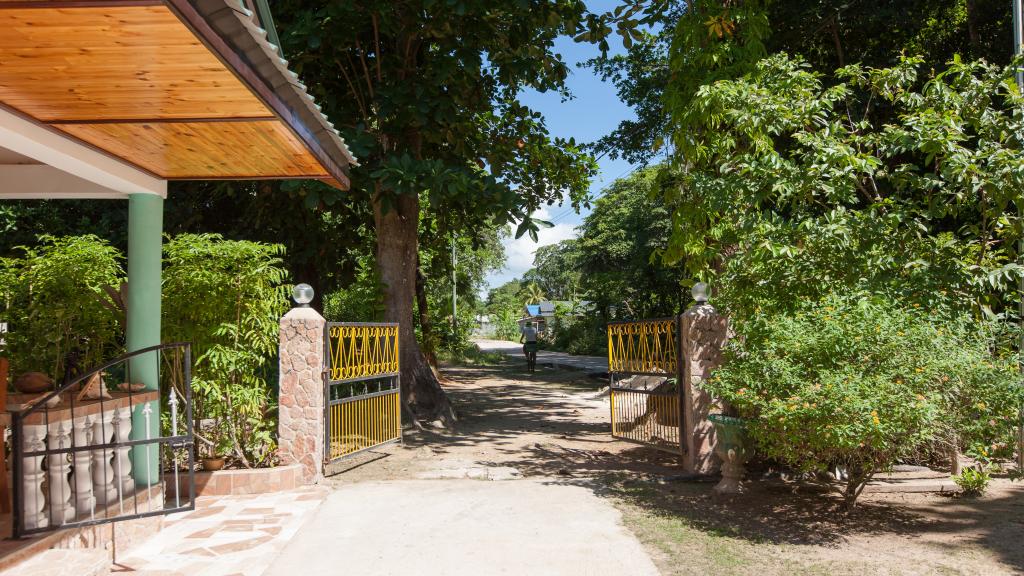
[362, 396]
[103, 446]
[645, 368]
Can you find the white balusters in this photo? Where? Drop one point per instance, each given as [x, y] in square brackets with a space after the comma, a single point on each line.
[102, 470]
[85, 502]
[59, 467]
[147, 414]
[77, 484]
[173, 402]
[123, 481]
[33, 477]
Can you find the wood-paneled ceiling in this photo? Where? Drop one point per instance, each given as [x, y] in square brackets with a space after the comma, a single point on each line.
[131, 78]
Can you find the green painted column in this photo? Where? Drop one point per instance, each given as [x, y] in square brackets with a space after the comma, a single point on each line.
[145, 255]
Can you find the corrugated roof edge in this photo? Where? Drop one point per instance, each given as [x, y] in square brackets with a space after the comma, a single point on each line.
[236, 26]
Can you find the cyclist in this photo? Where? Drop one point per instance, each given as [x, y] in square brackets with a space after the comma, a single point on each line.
[529, 341]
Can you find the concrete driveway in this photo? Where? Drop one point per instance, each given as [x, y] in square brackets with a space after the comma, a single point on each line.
[545, 357]
[463, 527]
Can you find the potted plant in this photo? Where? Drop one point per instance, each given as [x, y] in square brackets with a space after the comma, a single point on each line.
[218, 445]
[732, 445]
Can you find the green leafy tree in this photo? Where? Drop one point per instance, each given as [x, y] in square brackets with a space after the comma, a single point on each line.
[889, 180]
[534, 294]
[56, 299]
[226, 297]
[833, 33]
[508, 296]
[425, 92]
[556, 270]
[694, 42]
[476, 252]
[619, 247]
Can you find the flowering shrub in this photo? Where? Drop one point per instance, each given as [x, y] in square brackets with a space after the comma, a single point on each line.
[862, 383]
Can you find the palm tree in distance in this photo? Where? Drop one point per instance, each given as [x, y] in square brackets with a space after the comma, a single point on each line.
[534, 295]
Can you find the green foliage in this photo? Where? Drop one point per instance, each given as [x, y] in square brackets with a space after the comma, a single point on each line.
[509, 296]
[505, 306]
[442, 116]
[640, 76]
[574, 330]
[506, 326]
[688, 44]
[360, 301]
[863, 382]
[833, 33]
[534, 294]
[973, 481]
[476, 253]
[618, 247]
[884, 181]
[711, 41]
[55, 299]
[556, 272]
[226, 297]
[613, 265]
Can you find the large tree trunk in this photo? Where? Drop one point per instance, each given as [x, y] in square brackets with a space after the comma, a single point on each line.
[397, 249]
[972, 27]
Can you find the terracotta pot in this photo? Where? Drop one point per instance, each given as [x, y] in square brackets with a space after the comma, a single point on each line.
[213, 464]
[33, 383]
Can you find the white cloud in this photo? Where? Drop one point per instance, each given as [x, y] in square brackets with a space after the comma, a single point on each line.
[519, 252]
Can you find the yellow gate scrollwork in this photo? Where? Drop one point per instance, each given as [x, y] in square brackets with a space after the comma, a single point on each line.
[361, 388]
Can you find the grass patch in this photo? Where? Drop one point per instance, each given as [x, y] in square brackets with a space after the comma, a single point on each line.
[682, 541]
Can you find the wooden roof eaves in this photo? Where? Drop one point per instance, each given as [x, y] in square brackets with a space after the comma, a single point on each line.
[229, 32]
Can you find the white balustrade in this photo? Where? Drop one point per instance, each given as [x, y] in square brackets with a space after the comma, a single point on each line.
[33, 477]
[102, 469]
[85, 502]
[75, 485]
[123, 481]
[59, 467]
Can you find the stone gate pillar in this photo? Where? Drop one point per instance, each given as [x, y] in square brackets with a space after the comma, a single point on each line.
[704, 334]
[300, 425]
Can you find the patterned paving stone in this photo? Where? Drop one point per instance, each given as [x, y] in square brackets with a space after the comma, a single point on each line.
[225, 535]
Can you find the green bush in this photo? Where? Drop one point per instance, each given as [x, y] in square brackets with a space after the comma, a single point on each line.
[863, 383]
[360, 301]
[56, 300]
[506, 327]
[226, 297]
[973, 481]
[577, 332]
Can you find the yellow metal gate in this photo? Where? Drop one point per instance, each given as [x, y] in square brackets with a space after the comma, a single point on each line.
[645, 369]
[361, 388]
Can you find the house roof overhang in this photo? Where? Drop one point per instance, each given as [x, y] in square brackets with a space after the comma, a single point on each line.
[145, 91]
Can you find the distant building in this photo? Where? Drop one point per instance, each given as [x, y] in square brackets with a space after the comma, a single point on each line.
[542, 313]
[484, 326]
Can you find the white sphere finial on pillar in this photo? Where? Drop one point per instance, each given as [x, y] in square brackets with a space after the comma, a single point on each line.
[700, 293]
[303, 295]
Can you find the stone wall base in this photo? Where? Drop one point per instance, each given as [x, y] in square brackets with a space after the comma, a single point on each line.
[115, 538]
[242, 482]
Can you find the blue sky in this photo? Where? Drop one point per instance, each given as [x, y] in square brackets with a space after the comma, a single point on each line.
[595, 111]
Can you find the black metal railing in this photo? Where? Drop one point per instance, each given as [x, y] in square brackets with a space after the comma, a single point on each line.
[90, 453]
